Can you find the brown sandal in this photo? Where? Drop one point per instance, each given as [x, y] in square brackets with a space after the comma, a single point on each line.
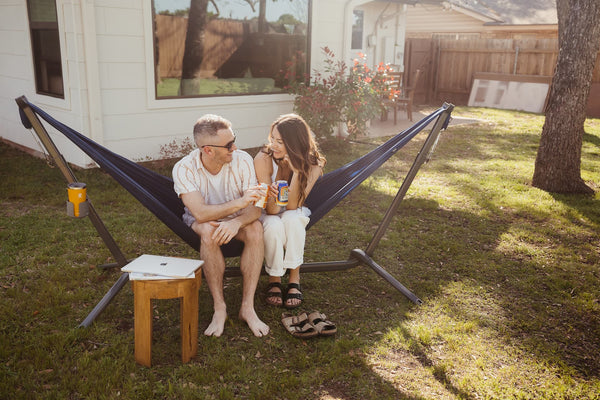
[298, 325]
[321, 324]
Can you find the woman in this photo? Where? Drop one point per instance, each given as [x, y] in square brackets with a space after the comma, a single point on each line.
[291, 155]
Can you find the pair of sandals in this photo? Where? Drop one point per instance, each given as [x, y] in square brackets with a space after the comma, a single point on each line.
[283, 298]
[308, 325]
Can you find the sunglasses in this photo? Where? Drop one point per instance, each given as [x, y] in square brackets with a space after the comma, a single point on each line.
[228, 146]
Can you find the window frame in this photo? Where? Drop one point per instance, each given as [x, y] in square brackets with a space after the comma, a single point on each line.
[37, 58]
[155, 100]
[355, 33]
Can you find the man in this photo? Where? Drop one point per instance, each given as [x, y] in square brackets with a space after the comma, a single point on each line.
[218, 187]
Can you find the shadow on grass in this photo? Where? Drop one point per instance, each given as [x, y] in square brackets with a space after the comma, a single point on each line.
[543, 302]
[533, 294]
[592, 139]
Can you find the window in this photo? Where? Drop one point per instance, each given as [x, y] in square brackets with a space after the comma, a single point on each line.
[357, 30]
[45, 43]
[228, 47]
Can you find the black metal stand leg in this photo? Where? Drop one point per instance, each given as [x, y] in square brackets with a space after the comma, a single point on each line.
[364, 258]
[105, 300]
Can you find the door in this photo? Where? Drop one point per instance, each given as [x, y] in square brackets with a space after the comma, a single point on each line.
[418, 55]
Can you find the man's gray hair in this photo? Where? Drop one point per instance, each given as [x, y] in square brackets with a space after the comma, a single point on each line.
[209, 125]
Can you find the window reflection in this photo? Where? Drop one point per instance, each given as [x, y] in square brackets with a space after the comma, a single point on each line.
[357, 30]
[228, 47]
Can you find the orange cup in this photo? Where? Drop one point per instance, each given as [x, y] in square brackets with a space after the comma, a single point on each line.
[77, 195]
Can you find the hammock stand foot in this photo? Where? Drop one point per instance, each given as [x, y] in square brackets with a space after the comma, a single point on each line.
[366, 260]
[118, 285]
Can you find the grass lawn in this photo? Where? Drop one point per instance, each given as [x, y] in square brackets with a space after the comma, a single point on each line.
[170, 86]
[509, 276]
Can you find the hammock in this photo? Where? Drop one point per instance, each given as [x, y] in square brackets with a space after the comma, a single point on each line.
[156, 193]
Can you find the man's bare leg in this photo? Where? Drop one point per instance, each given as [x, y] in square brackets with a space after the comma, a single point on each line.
[214, 269]
[250, 266]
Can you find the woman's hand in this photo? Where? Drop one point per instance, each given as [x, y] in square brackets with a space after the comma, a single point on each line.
[286, 158]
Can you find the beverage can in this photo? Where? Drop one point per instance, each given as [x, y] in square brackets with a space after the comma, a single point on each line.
[282, 193]
[262, 202]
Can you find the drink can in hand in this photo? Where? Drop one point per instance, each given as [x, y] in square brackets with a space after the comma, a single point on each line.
[282, 193]
[262, 202]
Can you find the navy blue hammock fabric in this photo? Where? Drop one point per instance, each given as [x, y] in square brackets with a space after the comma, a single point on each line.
[155, 191]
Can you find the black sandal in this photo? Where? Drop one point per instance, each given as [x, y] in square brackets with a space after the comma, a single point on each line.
[289, 296]
[274, 294]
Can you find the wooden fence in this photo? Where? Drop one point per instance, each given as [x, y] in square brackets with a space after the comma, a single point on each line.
[450, 65]
[221, 39]
[231, 48]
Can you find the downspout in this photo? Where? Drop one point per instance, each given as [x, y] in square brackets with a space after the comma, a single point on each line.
[88, 23]
[347, 30]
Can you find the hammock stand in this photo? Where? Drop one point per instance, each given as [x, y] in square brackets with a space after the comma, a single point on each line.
[326, 193]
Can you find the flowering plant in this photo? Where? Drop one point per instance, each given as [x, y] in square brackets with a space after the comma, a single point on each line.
[353, 95]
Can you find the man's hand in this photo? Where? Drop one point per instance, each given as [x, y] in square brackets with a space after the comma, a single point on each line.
[225, 230]
[253, 194]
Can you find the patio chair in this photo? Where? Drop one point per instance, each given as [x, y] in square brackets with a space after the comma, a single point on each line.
[394, 87]
[156, 193]
[405, 99]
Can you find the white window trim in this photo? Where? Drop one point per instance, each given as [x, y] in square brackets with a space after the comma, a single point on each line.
[44, 99]
[212, 101]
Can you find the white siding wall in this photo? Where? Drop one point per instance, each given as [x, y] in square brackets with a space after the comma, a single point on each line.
[108, 74]
[429, 19]
[16, 79]
[380, 21]
[15, 67]
[327, 30]
[135, 122]
[384, 23]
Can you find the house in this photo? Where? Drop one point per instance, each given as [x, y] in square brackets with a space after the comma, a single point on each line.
[483, 18]
[118, 70]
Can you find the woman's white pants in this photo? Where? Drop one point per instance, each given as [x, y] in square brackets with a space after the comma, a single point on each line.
[284, 236]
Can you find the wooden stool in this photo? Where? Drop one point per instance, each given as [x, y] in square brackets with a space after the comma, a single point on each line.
[143, 293]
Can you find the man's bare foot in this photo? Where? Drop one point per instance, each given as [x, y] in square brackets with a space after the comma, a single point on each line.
[217, 324]
[257, 327]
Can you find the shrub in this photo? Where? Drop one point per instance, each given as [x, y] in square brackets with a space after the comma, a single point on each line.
[353, 95]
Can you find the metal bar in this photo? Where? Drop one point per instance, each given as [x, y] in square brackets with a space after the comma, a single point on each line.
[111, 265]
[421, 158]
[67, 172]
[324, 266]
[112, 292]
[360, 255]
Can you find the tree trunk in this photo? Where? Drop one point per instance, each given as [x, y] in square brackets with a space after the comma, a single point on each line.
[558, 162]
[262, 16]
[194, 48]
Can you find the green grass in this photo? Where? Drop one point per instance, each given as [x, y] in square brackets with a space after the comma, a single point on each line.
[170, 86]
[508, 274]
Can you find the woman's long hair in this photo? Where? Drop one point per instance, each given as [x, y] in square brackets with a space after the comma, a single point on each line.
[300, 145]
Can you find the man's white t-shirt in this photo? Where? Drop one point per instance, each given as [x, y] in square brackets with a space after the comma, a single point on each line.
[189, 175]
